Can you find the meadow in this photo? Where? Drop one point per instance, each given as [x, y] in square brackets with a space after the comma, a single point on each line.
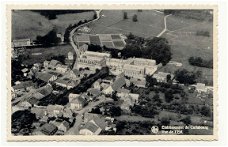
[28, 24]
[149, 24]
[185, 43]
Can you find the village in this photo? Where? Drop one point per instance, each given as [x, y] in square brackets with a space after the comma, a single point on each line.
[104, 93]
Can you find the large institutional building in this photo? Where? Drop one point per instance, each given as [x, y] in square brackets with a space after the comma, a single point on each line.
[92, 60]
[133, 67]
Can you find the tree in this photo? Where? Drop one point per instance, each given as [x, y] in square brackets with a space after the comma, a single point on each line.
[185, 77]
[158, 49]
[49, 39]
[60, 58]
[150, 81]
[168, 96]
[131, 51]
[165, 121]
[114, 96]
[198, 61]
[187, 120]
[125, 15]
[22, 119]
[115, 111]
[134, 18]
[206, 111]
[67, 33]
[95, 16]
[168, 77]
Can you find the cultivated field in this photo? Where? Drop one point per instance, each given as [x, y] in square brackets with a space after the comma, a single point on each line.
[28, 24]
[185, 43]
[108, 40]
[150, 23]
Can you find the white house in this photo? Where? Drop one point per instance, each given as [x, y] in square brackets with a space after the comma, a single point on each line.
[77, 103]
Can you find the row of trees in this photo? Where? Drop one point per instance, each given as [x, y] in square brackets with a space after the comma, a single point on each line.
[200, 15]
[198, 61]
[52, 14]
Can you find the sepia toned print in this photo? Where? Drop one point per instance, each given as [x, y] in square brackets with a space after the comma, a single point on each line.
[112, 72]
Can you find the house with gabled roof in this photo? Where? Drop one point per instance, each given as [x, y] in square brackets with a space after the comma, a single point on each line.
[77, 103]
[90, 129]
[72, 96]
[61, 125]
[53, 64]
[61, 68]
[48, 129]
[93, 93]
[66, 83]
[46, 77]
[93, 126]
[55, 110]
[117, 84]
[39, 111]
[74, 74]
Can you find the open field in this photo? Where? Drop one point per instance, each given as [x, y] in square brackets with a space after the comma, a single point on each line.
[184, 44]
[150, 23]
[38, 55]
[28, 24]
[64, 20]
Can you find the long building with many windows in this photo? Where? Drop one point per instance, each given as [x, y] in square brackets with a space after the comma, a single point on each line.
[132, 67]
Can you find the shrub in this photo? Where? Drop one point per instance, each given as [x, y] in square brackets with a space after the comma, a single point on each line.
[134, 18]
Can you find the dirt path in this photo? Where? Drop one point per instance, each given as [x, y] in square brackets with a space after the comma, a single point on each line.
[165, 27]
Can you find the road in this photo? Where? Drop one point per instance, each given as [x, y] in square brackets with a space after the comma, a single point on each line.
[75, 129]
[165, 26]
[73, 44]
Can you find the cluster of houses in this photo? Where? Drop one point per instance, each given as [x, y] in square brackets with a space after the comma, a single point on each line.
[58, 119]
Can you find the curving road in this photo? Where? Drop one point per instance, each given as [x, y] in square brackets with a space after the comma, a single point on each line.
[73, 44]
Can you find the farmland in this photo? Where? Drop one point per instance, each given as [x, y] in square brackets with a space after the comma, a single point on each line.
[150, 23]
[108, 40]
[25, 21]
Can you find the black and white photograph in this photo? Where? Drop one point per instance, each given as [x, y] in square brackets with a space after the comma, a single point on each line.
[113, 72]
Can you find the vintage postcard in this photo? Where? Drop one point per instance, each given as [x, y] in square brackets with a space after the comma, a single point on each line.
[112, 72]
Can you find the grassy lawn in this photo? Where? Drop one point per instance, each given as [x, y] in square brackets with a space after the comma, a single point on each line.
[27, 24]
[38, 55]
[150, 23]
